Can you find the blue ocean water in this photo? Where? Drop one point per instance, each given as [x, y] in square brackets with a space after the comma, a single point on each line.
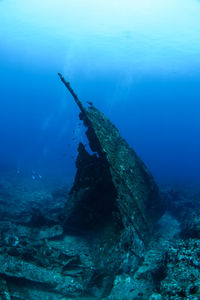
[137, 62]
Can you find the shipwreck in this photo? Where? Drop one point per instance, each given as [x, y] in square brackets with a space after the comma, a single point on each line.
[114, 199]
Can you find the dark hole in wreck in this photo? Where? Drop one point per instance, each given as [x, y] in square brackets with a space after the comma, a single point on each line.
[94, 196]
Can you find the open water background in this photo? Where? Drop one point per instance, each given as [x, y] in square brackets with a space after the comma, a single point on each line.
[139, 63]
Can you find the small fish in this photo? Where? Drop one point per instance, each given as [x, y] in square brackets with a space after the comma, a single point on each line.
[90, 103]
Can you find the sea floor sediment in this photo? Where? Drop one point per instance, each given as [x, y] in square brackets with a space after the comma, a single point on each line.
[38, 260]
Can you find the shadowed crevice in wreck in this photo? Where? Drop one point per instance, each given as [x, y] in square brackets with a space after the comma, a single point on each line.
[93, 192]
